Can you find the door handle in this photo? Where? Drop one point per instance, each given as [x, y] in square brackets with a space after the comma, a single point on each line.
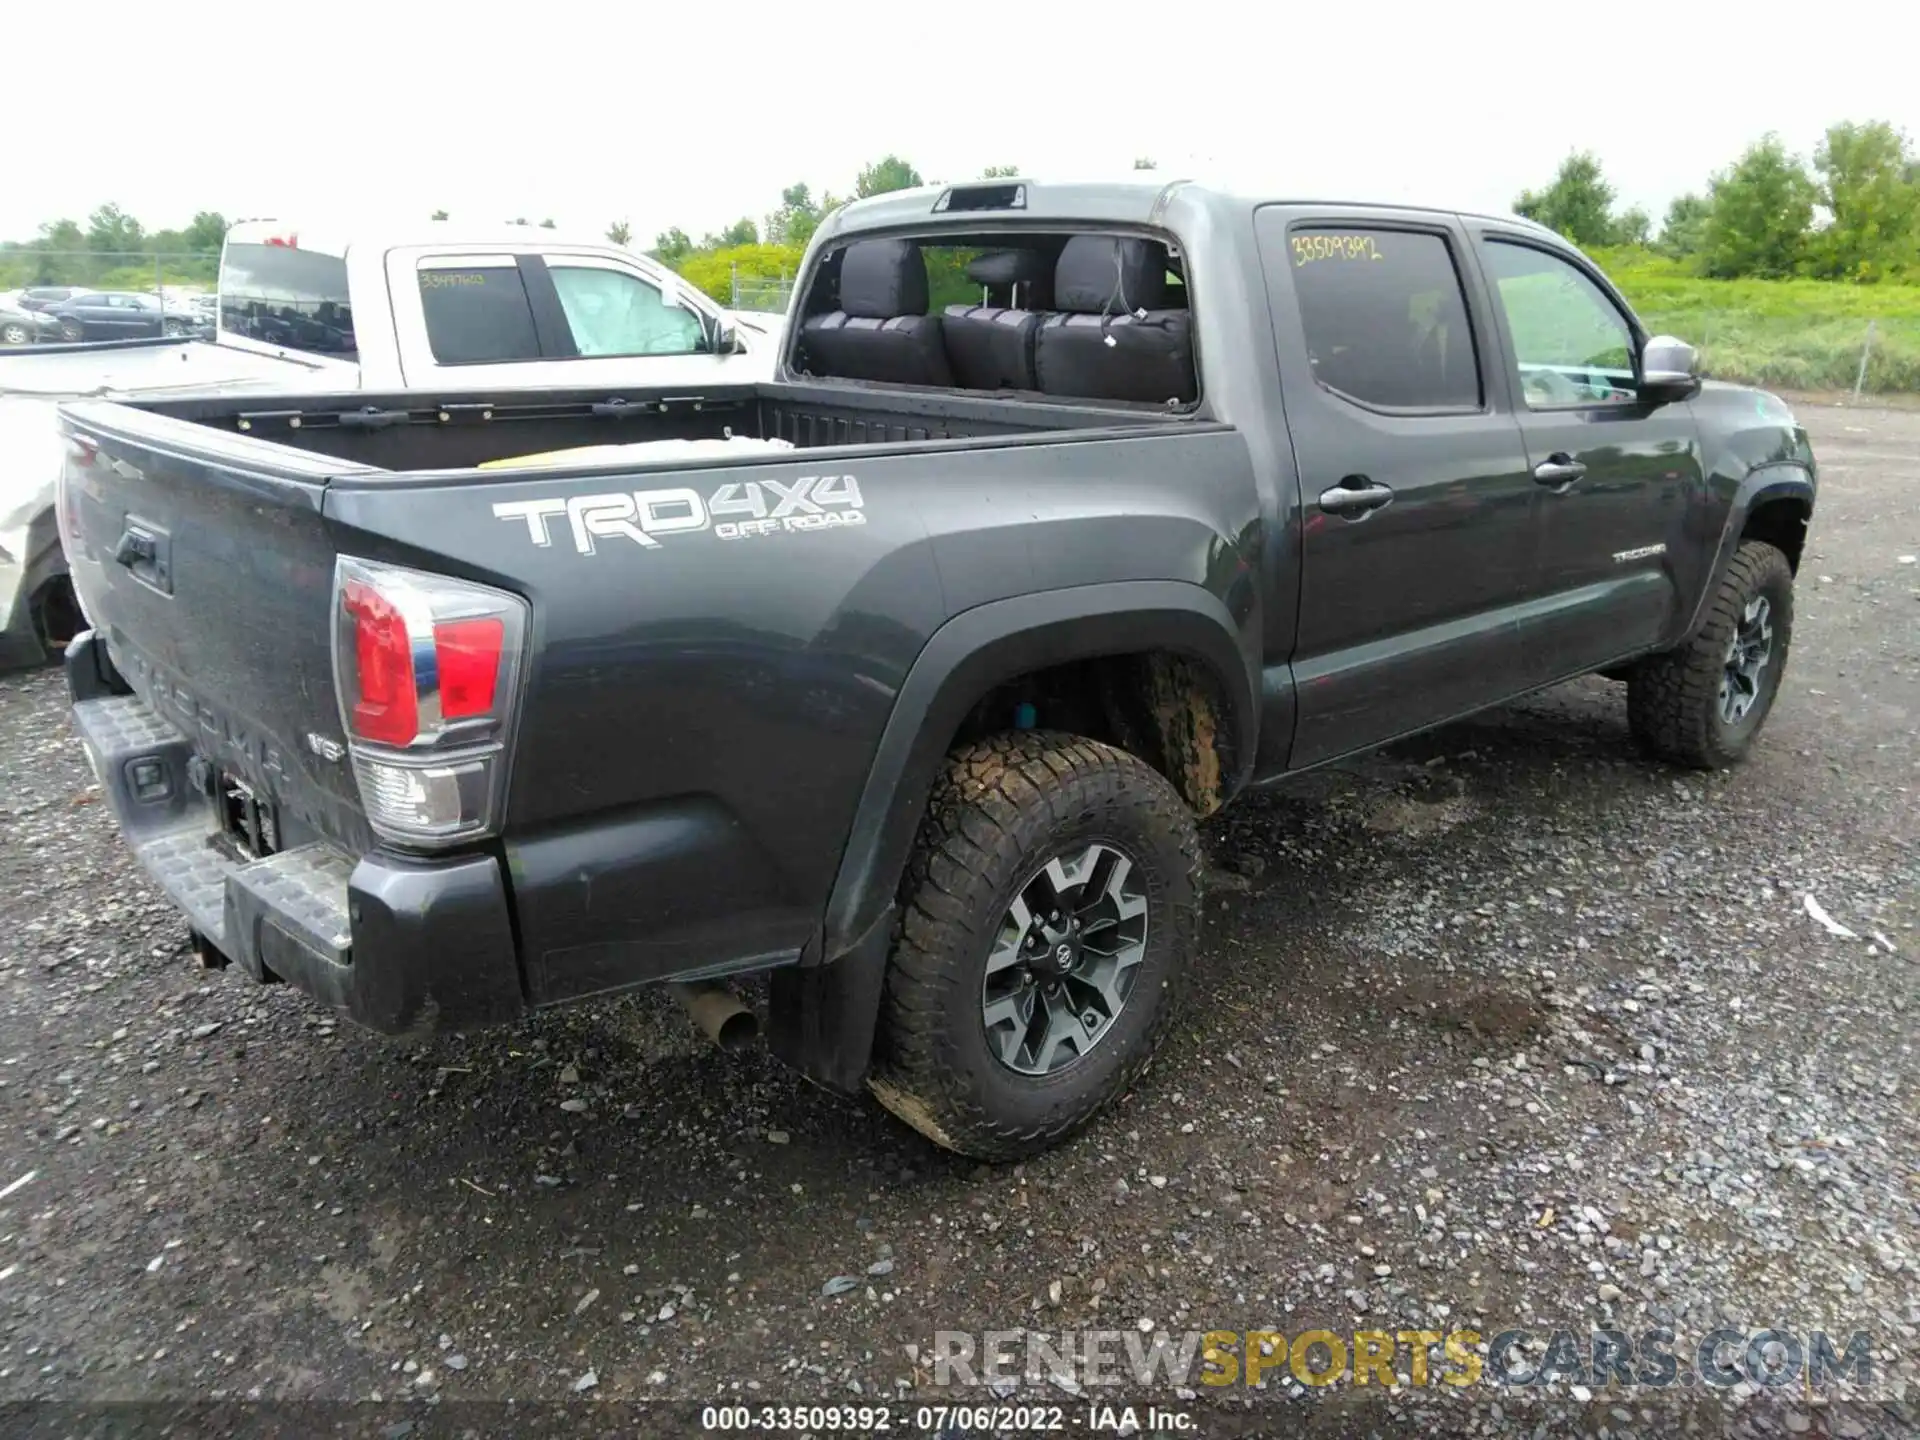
[1559, 469]
[1355, 496]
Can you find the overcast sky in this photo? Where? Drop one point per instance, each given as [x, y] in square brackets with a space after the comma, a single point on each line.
[693, 115]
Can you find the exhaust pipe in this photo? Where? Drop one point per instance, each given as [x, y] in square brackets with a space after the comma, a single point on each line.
[718, 1012]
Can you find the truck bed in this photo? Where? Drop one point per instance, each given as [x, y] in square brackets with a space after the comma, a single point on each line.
[416, 432]
[713, 649]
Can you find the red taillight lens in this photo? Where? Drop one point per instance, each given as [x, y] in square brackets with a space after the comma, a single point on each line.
[427, 671]
[468, 652]
[386, 710]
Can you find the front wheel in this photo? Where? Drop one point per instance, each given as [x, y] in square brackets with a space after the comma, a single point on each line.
[72, 331]
[1050, 911]
[14, 333]
[1702, 704]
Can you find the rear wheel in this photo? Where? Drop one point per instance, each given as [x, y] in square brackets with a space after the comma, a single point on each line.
[1703, 704]
[56, 616]
[13, 333]
[1051, 909]
[72, 331]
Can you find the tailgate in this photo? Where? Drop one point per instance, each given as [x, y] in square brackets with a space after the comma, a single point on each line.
[210, 578]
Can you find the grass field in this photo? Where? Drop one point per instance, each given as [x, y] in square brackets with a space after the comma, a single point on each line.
[1792, 334]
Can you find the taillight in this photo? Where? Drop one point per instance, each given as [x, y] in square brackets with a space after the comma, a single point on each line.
[386, 706]
[469, 656]
[427, 672]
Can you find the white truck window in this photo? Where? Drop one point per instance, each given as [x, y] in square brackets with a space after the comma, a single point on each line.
[477, 311]
[295, 299]
[615, 312]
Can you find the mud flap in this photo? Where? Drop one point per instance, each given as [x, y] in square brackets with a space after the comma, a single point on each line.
[821, 1018]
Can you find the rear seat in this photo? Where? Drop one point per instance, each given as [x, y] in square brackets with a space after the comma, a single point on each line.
[991, 347]
[881, 330]
[1113, 342]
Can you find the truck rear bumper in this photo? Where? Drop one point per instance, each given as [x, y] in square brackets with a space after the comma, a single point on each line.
[400, 945]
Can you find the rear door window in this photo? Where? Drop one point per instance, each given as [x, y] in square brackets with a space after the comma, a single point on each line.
[477, 311]
[614, 312]
[281, 295]
[1385, 318]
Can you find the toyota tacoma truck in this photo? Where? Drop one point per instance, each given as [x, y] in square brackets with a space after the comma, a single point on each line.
[300, 307]
[1071, 512]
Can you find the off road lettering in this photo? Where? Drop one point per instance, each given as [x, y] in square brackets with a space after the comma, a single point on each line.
[768, 507]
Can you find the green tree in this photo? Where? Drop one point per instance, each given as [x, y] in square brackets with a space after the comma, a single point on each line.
[1578, 204]
[207, 233]
[671, 247]
[620, 233]
[999, 172]
[1632, 226]
[1867, 187]
[757, 266]
[110, 230]
[885, 175]
[61, 235]
[1684, 229]
[796, 219]
[439, 215]
[1758, 214]
[1144, 162]
[742, 232]
[548, 224]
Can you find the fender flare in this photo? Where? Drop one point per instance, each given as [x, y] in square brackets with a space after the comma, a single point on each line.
[1777, 480]
[824, 1011]
[992, 643]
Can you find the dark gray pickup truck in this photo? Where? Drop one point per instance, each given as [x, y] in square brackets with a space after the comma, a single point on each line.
[1071, 512]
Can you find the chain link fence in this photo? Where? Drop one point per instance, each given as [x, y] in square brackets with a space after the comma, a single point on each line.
[765, 294]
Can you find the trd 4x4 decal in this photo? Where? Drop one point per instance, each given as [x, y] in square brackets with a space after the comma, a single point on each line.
[764, 507]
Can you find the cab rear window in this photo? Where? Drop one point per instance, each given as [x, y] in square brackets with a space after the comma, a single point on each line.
[296, 299]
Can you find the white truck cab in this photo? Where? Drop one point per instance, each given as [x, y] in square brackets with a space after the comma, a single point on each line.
[443, 305]
[420, 307]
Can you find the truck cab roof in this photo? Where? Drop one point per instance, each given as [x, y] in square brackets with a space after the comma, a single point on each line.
[1137, 198]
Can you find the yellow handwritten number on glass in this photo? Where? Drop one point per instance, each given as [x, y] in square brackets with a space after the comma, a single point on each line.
[1319, 246]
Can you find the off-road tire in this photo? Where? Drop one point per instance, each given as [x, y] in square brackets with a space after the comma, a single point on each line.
[1673, 704]
[1003, 807]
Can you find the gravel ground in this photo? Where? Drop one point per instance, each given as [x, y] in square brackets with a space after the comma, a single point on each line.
[1505, 1028]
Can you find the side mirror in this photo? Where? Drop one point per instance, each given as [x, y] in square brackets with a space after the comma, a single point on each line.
[726, 338]
[1669, 370]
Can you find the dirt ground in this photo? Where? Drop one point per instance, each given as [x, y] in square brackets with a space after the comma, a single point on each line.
[1505, 1029]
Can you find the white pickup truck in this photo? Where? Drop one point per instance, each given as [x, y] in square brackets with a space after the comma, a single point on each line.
[303, 310]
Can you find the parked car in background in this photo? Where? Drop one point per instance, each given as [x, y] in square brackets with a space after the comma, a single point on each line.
[27, 327]
[118, 315]
[45, 297]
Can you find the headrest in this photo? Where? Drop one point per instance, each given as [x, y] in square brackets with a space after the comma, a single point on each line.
[882, 279]
[1008, 267]
[1103, 274]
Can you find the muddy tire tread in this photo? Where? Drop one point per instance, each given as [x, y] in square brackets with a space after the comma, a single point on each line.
[1671, 696]
[989, 796]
